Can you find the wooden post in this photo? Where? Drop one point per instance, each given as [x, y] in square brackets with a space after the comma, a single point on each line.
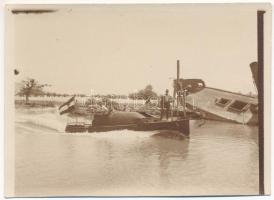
[260, 51]
[174, 96]
[184, 103]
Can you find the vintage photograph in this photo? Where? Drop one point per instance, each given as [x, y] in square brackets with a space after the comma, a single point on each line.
[136, 100]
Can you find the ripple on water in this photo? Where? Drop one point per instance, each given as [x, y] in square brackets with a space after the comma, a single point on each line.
[217, 158]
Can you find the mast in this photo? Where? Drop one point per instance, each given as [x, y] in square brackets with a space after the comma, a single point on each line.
[178, 89]
[177, 84]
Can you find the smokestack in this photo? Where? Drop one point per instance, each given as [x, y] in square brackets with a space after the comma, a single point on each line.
[260, 51]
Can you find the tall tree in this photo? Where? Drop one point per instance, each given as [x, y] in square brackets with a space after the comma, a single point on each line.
[31, 87]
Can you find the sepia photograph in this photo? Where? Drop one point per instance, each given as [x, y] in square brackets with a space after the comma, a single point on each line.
[137, 100]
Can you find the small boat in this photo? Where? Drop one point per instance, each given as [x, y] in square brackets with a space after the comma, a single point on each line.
[111, 119]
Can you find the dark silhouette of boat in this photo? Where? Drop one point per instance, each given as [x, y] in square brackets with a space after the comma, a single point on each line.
[137, 121]
[110, 119]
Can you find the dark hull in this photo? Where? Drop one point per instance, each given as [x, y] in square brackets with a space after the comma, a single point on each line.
[129, 121]
[178, 125]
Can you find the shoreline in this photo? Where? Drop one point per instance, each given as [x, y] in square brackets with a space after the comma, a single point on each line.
[36, 104]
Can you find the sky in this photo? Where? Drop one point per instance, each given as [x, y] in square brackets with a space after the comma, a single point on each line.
[120, 49]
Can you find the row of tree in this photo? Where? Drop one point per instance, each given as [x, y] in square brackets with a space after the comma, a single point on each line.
[146, 93]
[32, 87]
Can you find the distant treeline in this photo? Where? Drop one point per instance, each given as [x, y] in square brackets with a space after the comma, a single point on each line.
[54, 94]
[50, 94]
[108, 96]
[32, 88]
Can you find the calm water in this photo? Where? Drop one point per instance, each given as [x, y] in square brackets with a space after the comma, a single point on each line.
[218, 158]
